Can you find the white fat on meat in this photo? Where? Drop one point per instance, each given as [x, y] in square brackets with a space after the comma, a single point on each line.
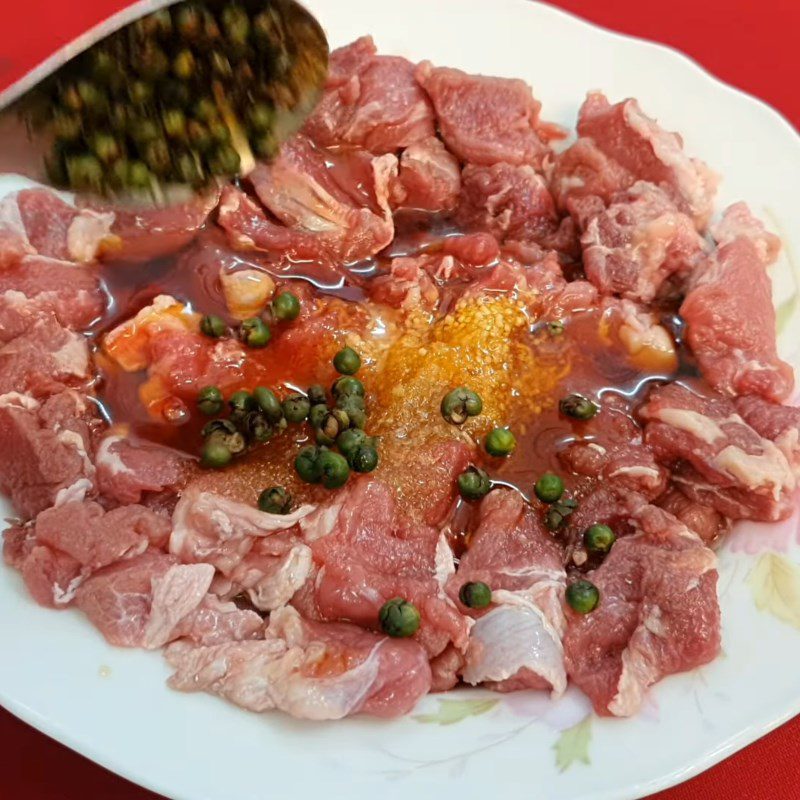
[176, 593]
[322, 521]
[24, 402]
[74, 439]
[75, 493]
[72, 358]
[766, 470]
[110, 460]
[698, 425]
[273, 672]
[275, 588]
[513, 636]
[88, 233]
[246, 291]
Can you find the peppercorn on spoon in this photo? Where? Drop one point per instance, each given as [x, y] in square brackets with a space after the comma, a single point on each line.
[164, 99]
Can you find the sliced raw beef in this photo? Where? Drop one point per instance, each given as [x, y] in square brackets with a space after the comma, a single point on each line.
[60, 230]
[14, 243]
[407, 285]
[367, 552]
[510, 202]
[731, 322]
[472, 249]
[737, 221]
[139, 602]
[45, 359]
[699, 518]
[344, 62]
[210, 528]
[309, 670]
[485, 120]
[320, 219]
[429, 178]
[36, 283]
[127, 468]
[641, 241]
[50, 441]
[658, 614]
[74, 539]
[636, 142]
[585, 171]
[516, 643]
[732, 467]
[779, 424]
[627, 466]
[378, 106]
[147, 232]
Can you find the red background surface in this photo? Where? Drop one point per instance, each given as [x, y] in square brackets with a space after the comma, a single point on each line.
[753, 46]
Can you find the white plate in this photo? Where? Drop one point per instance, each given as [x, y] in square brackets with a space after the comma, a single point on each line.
[112, 705]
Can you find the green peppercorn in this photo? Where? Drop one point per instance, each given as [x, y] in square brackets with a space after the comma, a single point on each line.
[334, 469]
[399, 618]
[578, 407]
[84, 172]
[350, 440]
[275, 500]
[103, 65]
[364, 458]
[205, 109]
[316, 395]
[218, 426]
[459, 404]
[500, 442]
[475, 595]
[152, 63]
[189, 22]
[236, 24]
[67, 127]
[347, 386]
[549, 488]
[286, 306]
[599, 538]
[209, 400]
[218, 131]
[255, 332]
[224, 160]
[296, 407]
[174, 121]
[256, 427]
[220, 65]
[558, 513]
[555, 328]
[260, 117]
[144, 131]
[183, 65]
[92, 98]
[265, 145]
[156, 155]
[140, 93]
[159, 23]
[215, 454]
[347, 361]
[199, 136]
[188, 169]
[317, 413]
[307, 464]
[353, 406]
[213, 326]
[105, 147]
[333, 423]
[583, 596]
[474, 483]
[242, 401]
[268, 402]
[139, 176]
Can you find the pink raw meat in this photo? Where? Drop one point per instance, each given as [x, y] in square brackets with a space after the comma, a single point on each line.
[126, 468]
[320, 219]
[72, 292]
[731, 322]
[699, 518]
[59, 230]
[640, 242]
[658, 614]
[516, 642]
[344, 62]
[732, 467]
[485, 120]
[429, 178]
[144, 233]
[45, 359]
[308, 670]
[585, 171]
[407, 285]
[50, 442]
[636, 142]
[738, 221]
[779, 424]
[378, 106]
[368, 552]
[510, 202]
[472, 249]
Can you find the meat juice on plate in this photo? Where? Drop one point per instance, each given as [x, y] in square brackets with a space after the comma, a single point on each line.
[421, 401]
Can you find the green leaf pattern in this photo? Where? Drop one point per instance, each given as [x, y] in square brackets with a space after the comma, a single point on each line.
[452, 711]
[775, 584]
[573, 745]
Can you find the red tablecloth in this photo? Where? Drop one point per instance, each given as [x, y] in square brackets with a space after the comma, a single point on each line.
[753, 46]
